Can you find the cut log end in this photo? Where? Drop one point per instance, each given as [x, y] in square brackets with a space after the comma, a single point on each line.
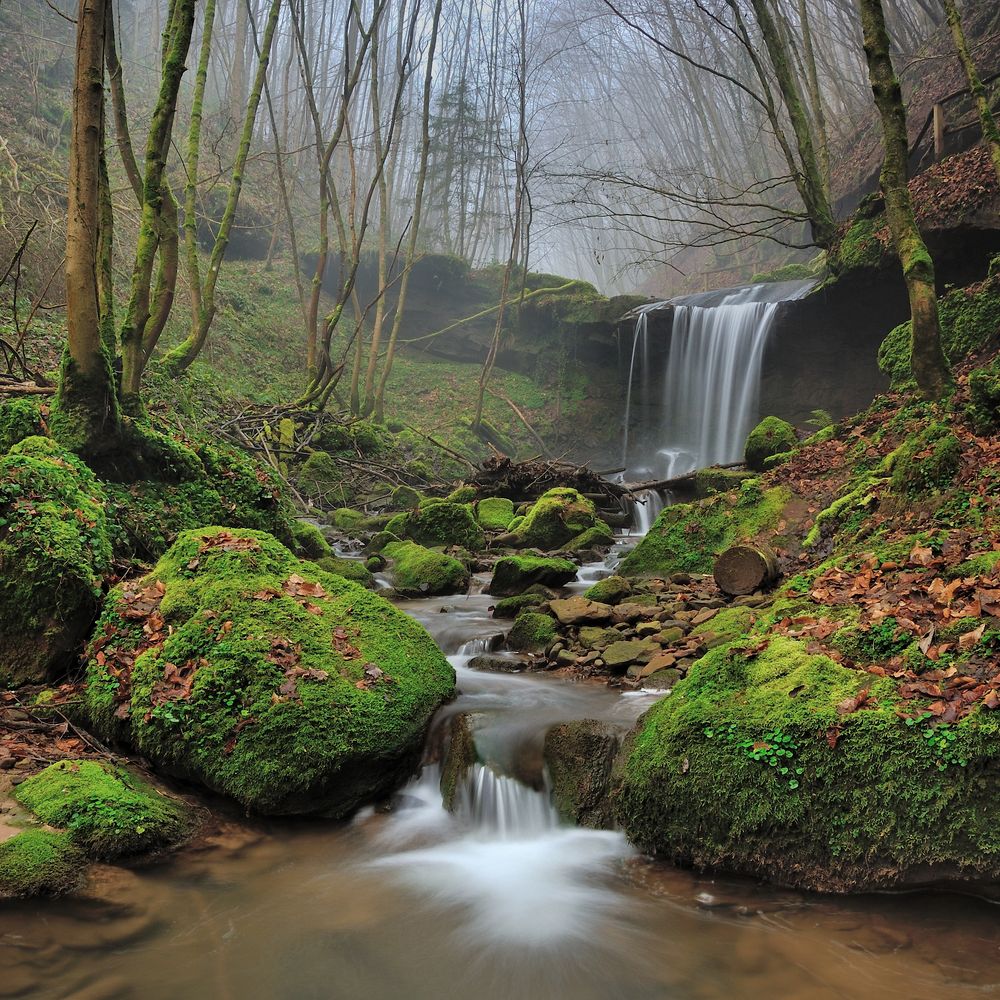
[743, 569]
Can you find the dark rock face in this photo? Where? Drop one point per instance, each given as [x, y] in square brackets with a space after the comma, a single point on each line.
[579, 757]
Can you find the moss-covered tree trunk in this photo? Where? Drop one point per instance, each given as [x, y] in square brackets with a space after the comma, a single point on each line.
[185, 353]
[930, 369]
[991, 134]
[85, 415]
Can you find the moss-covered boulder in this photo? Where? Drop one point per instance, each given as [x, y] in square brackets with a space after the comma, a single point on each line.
[557, 517]
[349, 569]
[771, 762]
[772, 436]
[405, 498]
[598, 536]
[107, 811]
[610, 590]
[237, 665]
[19, 419]
[322, 479]
[416, 571]
[54, 555]
[442, 523]
[686, 538]
[511, 607]
[532, 632]
[579, 757]
[39, 863]
[309, 541]
[495, 513]
[462, 494]
[346, 519]
[515, 574]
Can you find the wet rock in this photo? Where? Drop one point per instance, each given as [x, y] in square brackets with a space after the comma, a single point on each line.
[513, 575]
[630, 612]
[574, 610]
[661, 680]
[459, 757]
[620, 655]
[579, 756]
[669, 635]
[593, 637]
[497, 662]
[611, 590]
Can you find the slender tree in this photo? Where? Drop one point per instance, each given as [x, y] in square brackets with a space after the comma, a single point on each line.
[991, 133]
[927, 360]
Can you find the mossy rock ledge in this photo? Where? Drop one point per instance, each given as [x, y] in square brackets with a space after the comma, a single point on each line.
[54, 554]
[757, 764]
[239, 666]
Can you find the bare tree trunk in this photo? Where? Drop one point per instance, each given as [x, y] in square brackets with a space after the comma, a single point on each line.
[85, 415]
[927, 360]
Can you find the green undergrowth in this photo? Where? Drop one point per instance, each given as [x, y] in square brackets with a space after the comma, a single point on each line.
[107, 811]
[287, 688]
[749, 766]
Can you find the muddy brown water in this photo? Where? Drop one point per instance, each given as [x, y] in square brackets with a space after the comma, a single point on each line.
[412, 903]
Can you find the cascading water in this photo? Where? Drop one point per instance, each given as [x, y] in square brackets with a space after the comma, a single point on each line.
[708, 396]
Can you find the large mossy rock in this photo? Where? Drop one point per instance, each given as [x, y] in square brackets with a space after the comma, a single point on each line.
[495, 513]
[532, 632]
[686, 538]
[772, 436]
[555, 519]
[513, 575]
[416, 571]
[439, 523]
[579, 757]
[54, 555]
[39, 863]
[767, 762]
[107, 811]
[260, 676]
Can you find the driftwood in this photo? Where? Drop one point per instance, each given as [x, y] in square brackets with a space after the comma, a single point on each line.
[743, 569]
[523, 481]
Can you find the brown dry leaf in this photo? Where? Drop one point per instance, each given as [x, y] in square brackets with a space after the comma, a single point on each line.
[970, 639]
[920, 556]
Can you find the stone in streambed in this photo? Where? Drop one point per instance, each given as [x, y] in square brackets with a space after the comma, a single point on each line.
[579, 757]
[574, 610]
[620, 655]
[610, 590]
[594, 637]
[515, 574]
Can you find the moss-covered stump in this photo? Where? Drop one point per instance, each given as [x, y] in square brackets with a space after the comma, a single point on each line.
[686, 538]
[419, 572]
[54, 554]
[777, 763]
[513, 575]
[772, 436]
[439, 523]
[557, 517]
[107, 812]
[579, 757]
[39, 863]
[532, 632]
[19, 419]
[264, 678]
[495, 513]
[349, 569]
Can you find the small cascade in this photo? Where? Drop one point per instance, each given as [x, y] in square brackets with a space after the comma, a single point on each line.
[708, 395]
[645, 509]
[497, 805]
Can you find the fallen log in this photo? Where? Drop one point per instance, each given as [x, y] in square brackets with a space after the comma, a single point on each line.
[742, 569]
[26, 389]
[666, 484]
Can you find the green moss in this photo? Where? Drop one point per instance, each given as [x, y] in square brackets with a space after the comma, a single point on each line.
[322, 479]
[927, 461]
[871, 643]
[969, 321]
[19, 419]
[54, 555]
[346, 519]
[309, 541]
[880, 801]
[598, 536]
[772, 436]
[515, 574]
[557, 517]
[405, 498]
[610, 590]
[687, 537]
[727, 624]
[709, 481]
[984, 400]
[443, 523]
[349, 569]
[287, 688]
[107, 811]
[532, 632]
[792, 272]
[516, 522]
[983, 564]
[39, 863]
[495, 513]
[463, 494]
[417, 571]
[511, 607]
[860, 247]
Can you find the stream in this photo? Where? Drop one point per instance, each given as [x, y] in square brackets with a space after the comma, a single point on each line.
[495, 901]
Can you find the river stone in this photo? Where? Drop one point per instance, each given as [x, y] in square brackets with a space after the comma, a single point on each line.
[460, 757]
[630, 612]
[497, 663]
[579, 756]
[513, 575]
[622, 654]
[574, 610]
[594, 637]
[236, 665]
[669, 635]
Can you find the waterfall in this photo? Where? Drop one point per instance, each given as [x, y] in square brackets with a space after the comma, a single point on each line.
[710, 388]
[502, 806]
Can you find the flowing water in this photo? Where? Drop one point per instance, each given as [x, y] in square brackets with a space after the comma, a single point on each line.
[700, 408]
